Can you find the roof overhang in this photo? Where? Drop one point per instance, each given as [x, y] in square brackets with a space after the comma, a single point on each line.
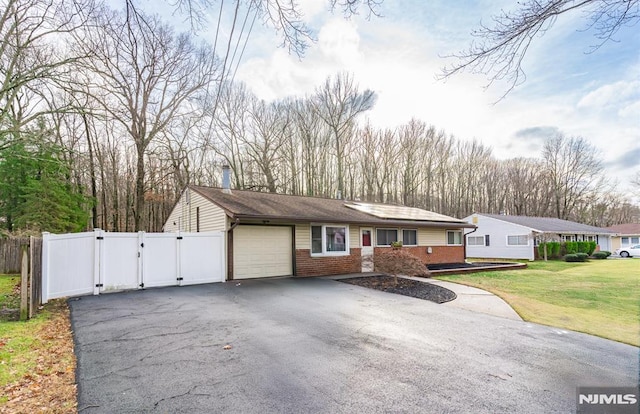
[373, 223]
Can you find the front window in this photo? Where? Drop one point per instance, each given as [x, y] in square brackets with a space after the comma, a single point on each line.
[384, 237]
[635, 240]
[475, 240]
[520, 240]
[329, 240]
[409, 237]
[454, 237]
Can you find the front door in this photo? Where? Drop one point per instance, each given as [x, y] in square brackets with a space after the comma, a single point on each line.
[366, 243]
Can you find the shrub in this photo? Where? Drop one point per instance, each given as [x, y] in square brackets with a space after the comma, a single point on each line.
[399, 262]
[575, 257]
[582, 256]
[582, 247]
[553, 249]
[571, 247]
[592, 247]
[600, 255]
[605, 251]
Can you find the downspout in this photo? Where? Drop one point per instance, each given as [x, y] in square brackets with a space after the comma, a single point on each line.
[464, 242]
[230, 248]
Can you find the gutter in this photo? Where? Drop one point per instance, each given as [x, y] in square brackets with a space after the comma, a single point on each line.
[464, 243]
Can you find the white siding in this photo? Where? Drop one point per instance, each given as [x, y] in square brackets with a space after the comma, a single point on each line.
[498, 231]
[303, 236]
[184, 214]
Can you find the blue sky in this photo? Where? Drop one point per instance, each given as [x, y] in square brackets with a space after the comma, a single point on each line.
[568, 89]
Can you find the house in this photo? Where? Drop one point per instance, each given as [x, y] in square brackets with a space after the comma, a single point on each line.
[276, 235]
[626, 235]
[516, 237]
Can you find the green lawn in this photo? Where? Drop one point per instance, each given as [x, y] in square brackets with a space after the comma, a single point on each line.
[600, 297]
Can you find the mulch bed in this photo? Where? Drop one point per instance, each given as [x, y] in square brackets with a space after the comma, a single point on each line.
[406, 287]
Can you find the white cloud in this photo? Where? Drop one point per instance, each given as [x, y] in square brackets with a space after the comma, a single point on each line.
[399, 58]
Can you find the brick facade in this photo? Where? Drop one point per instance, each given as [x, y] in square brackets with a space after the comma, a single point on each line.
[338, 265]
[327, 265]
[439, 254]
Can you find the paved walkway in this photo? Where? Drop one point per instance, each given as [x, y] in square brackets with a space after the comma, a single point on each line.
[477, 300]
[469, 298]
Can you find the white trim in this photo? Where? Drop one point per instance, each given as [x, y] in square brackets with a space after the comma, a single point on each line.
[324, 252]
[483, 238]
[461, 238]
[519, 244]
[386, 228]
[402, 231]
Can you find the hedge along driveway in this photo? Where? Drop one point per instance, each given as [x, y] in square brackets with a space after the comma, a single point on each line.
[316, 345]
[599, 297]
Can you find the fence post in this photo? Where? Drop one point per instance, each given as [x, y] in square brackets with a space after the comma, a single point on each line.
[24, 284]
[98, 249]
[45, 267]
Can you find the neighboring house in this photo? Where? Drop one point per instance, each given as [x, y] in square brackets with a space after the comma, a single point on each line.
[516, 237]
[277, 235]
[625, 235]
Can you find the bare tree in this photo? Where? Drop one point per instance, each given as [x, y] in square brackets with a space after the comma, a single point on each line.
[146, 77]
[31, 67]
[338, 103]
[500, 49]
[573, 170]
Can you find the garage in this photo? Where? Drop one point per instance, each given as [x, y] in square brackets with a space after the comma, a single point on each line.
[262, 251]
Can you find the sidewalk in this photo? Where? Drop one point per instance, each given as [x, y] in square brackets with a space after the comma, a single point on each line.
[476, 300]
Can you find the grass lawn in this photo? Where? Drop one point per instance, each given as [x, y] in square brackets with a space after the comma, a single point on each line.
[37, 364]
[600, 297]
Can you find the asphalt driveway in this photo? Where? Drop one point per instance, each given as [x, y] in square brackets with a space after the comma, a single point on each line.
[317, 345]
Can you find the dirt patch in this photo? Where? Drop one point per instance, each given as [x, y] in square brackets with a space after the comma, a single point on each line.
[50, 387]
[406, 287]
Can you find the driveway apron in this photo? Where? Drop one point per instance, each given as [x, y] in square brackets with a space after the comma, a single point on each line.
[321, 346]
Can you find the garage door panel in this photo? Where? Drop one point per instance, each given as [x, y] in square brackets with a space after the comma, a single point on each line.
[262, 251]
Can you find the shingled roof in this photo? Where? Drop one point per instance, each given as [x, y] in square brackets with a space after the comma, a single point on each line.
[244, 204]
[549, 224]
[626, 229]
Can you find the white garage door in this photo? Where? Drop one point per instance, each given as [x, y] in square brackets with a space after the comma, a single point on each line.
[261, 251]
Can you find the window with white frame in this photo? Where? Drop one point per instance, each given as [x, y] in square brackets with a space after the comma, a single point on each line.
[384, 237]
[409, 237]
[329, 239]
[475, 240]
[519, 240]
[454, 237]
[635, 240]
[568, 237]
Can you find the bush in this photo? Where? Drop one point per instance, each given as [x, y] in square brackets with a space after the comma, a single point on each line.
[600, 255]
[575, 257]
[607, 252]
[592, 247]
[582, 247]
[582, 256]
[553, 250]
[571, 247]
[399, 262]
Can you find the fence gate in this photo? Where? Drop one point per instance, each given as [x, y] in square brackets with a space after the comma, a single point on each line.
[96, 262]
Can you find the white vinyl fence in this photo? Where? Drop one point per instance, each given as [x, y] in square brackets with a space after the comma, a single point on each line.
[99, 261]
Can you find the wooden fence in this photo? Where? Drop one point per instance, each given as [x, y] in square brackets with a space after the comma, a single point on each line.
[10, 254]
[35, 275]
[26, 261]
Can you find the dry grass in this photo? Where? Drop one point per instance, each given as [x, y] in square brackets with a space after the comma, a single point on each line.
[37, 363]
